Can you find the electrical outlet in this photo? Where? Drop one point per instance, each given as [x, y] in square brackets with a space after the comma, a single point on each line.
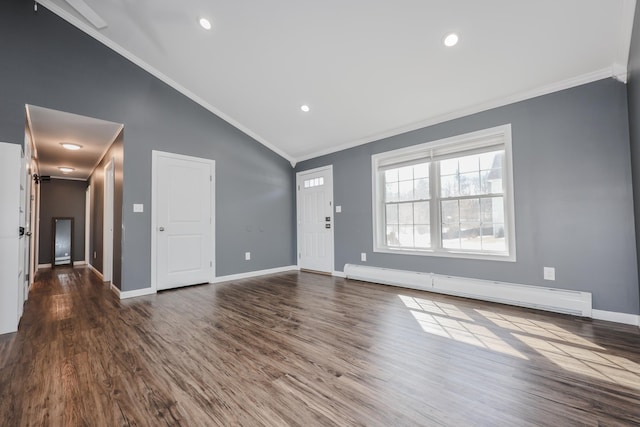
[247, 256]
[338, 209]
[363, 256]
[549, 273]
[95, 254]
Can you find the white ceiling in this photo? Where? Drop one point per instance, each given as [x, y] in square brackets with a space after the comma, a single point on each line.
[49, 128]
[367, 68]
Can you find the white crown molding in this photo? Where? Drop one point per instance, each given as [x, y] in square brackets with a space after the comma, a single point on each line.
[499, 102]
[90, 30]
[625, 31]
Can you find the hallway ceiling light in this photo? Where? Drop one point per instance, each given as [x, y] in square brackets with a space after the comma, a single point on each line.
[305, 108]
[65, 169]
[451, 40]
[70, 146]
[204, 23]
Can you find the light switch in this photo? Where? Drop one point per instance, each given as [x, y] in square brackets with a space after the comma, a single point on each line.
[138, 207]
[338, 209]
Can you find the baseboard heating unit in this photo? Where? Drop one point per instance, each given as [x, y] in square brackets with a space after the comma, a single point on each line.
[550, 299]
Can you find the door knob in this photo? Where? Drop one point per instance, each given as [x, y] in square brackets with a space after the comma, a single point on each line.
[161, 229]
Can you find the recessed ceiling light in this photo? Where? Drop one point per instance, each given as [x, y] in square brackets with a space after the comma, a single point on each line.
[451, 40]
[204, 23]
[65, 169]
[70, 146]
[305, 108]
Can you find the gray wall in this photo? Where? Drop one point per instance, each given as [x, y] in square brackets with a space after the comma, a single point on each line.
[61, 198]
[633, 93]
[573, 196]
[97, 210]
[48, 62]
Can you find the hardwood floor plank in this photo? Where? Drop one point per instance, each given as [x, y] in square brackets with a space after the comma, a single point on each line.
[301, 349]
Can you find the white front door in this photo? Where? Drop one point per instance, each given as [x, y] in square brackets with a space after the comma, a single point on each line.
[183, 213]
[315, 219]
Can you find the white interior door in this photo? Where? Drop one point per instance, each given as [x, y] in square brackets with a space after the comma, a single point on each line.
[315, 219]
[183, 220]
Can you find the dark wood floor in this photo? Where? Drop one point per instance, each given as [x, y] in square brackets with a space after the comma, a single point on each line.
[305, 349]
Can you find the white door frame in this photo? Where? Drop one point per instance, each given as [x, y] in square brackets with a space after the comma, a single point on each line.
[87, 225]
[107, 221]
[154, 220]
[299, 182]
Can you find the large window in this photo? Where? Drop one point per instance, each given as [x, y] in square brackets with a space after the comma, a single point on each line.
[450, 197]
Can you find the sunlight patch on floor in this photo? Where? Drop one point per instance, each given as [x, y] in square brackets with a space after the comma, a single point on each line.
[536, 327]
[434, 319]
[588, 362]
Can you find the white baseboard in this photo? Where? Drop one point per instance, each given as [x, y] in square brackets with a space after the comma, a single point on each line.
[75, 263]
[114, 289]
[257, 273]
[339, 274]
[131, 294]
[612, 316]
[95, 270]
[44, 266]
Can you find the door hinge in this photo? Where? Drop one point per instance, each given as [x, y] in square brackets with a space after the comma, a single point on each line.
[211, 178]
[299, 255]
[210, 263]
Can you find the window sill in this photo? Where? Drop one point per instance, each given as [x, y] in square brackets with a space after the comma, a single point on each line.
[449, 254]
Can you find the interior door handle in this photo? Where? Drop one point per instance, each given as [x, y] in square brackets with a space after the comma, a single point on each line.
[161, 228]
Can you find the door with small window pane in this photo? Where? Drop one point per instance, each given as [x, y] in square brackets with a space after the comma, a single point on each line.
[315, 219]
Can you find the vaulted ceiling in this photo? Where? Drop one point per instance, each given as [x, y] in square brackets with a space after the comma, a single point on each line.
[367, 69]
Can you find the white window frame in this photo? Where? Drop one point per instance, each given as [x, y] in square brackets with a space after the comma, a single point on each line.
[479, 139]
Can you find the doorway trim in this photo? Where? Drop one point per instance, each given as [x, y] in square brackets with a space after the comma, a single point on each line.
[154, 221]
[107, 222]
[299, 182]
[87, 225]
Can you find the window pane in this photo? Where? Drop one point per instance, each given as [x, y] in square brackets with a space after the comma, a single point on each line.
[493, 238]
[392, 235]
[470, 236]
[449, 186]
[391, 192]
[470, 210]
[450, 236]
[422, 236]
[469, 184]
[421, 189]
[421, 213]
[421, 171]
[392, 214]
[405, 213]
[492, 209]
[491, 160]
[469, 164]
[406, 190]
[405, 173]
[391, 175]
[406, 235]
[450, 213]
[449, 167]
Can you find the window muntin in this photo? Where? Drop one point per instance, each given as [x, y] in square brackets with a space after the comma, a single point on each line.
[448, 198]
